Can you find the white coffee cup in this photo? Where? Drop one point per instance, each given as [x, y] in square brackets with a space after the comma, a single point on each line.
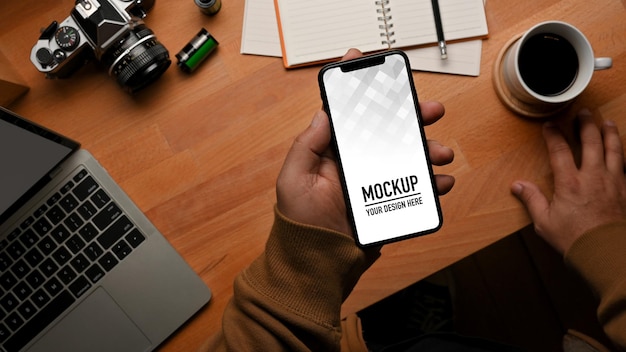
[517, 84]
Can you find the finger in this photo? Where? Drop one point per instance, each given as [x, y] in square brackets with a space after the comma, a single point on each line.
[352, 54]
[614, 150]
[533, 199]
[561, 158]
[592, 145]
[307, 148]
[444, 183]
[432, 111]
[439, 154]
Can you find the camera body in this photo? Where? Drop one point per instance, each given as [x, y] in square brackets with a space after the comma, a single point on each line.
[110, 31]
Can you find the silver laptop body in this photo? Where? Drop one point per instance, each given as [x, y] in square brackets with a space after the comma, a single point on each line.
[81, 267]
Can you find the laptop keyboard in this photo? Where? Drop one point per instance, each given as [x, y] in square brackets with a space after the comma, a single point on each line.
[57, 254]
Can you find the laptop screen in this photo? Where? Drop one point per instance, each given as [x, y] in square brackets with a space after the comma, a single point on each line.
[28, 153]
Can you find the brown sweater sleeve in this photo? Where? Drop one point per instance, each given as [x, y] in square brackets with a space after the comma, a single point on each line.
[290, 297]
[600, 257]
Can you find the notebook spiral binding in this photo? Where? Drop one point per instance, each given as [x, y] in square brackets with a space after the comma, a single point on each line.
[386, 25]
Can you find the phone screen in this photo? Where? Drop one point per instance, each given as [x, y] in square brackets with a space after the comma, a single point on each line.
[382, 151]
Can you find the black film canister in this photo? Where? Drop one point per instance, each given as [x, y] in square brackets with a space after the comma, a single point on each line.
[198, 49]
[209, 7]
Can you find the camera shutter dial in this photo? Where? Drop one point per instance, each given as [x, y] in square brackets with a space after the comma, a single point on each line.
[67, 38]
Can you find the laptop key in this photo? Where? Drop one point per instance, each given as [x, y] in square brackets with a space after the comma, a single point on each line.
[61, 255]
[75, 244]
[85, 188]
[35, 279]
[5, 262]
[80, 175]
[48, 267]
[60, 234]
[79, 286]
[40, 211]
[26, 309]
[27, 222]
[16, 250]
[55, 214]
[73, 222]
[93, 251]
[108, 261]
[66, 274]
[94, 273]
[53, 286]
[20, 268]
[14, 321]
[40, 298]
[46, 245]
[107, 215]
[39, 322]
[9, 302]
[4, 243]
[115, 232]
[121, 249]
[67, 187]
[69, 203]
[135, 238]
[7, 280]
[88, 232]
[29, 238]
[100, 198]
[42, 226]
[4, 332]
[22, 291]
[53, 199]
[34, 257]
[13, 234]
[87, 210]
[79, 263]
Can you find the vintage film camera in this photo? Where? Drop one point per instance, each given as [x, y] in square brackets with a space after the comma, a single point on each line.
[112, 32]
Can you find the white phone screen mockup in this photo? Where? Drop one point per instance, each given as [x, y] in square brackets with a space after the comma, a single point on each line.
[381, 148]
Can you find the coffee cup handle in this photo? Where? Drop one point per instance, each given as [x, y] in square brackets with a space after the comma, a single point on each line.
[602, 63]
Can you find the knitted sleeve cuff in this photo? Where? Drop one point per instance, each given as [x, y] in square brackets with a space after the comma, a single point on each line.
[598, 255]
[309, 270]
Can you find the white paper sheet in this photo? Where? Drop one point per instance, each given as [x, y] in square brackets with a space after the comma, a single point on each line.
[260, 30]
[463, 58]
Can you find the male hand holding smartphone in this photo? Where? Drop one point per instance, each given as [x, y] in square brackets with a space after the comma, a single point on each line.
[381, 148]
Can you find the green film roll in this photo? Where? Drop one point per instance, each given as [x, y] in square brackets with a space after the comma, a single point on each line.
[196, 51]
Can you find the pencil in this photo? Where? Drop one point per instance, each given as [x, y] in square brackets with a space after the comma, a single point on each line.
[440, 38]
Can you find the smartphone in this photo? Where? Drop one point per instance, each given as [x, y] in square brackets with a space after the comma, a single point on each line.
[381, 148]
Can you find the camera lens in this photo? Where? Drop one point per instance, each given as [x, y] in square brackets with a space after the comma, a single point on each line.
[137, 60]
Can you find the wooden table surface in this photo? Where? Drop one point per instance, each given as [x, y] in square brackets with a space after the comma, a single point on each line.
[200, 153]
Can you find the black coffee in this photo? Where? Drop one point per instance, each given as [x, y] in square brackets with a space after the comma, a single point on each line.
[548, 64]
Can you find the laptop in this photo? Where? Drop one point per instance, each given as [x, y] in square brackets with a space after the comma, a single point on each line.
[81, 267]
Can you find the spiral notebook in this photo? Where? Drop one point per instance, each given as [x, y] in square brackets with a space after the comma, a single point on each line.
[318, 31]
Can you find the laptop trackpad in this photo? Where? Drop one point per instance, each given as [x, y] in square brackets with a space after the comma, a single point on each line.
[116, 332]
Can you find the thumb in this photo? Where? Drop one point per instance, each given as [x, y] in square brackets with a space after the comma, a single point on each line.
[309, 145]
[533, 199]
[317, 136]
